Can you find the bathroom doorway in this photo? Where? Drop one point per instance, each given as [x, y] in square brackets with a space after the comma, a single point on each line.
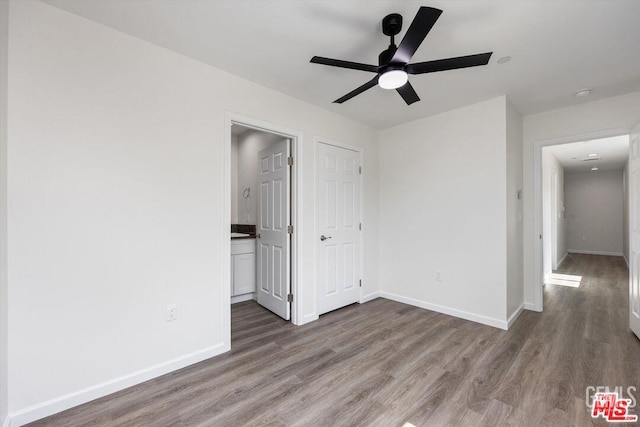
[263, 222]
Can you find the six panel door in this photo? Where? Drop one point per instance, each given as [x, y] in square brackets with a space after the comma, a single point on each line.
[339, 236]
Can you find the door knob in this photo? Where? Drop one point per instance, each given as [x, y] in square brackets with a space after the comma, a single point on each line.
[323, 238]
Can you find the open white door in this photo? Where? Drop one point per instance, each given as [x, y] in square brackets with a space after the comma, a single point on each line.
[339, 227]
[273, 237]
[634, 240]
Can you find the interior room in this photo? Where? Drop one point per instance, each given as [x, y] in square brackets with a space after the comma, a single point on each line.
[318, 213]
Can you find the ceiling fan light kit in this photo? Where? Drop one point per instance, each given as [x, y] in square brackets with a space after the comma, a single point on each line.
[393, 79]
[393, 69]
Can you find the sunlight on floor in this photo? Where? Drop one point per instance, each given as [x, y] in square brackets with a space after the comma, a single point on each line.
[564, 280]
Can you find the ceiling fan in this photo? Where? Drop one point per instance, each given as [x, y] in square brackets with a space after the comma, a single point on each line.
[393, 63]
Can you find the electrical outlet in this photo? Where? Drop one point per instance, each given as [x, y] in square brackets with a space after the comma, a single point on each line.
[439, 276]
[172, 312]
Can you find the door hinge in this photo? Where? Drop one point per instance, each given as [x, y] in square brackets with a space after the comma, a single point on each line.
[360, 170]
[360, 226]
[290, 161]
[360, 282]
[290, 229]
[290, 298]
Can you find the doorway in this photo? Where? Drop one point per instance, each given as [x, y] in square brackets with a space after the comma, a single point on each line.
[263, 234]
[584, 196]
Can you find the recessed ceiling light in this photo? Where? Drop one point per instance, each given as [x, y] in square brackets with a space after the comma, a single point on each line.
[594, 169]
[583, 92]
[593, 155]
[504, 60]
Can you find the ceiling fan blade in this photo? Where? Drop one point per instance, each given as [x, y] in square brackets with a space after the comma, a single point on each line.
[449, 63]
[418, 30]
[408, 93]
[368, 85]
[344, 64]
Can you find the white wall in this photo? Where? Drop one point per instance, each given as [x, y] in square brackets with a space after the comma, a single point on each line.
[234, 179]
[443, 207]
[594, 205]
[250, 143]
[515, 284]
[607, 117]
[625, 212]
[4, 44]
[116, 205]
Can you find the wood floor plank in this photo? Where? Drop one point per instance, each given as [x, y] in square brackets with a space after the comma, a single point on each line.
[384, 363]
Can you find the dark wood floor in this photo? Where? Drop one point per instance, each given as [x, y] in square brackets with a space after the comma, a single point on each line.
[384, 363]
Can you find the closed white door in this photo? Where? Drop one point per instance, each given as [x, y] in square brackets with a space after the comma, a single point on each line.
[339, 235]
[273, 237]
[634, 240]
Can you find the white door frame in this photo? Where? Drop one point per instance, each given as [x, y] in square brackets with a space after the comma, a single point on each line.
[538, 270]
[297, 290]
[316, 228]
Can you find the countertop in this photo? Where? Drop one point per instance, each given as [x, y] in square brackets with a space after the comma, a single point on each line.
[243, 231]
[240, 236]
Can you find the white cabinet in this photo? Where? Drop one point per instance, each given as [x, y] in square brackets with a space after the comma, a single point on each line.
[243, 267]
[244, 274]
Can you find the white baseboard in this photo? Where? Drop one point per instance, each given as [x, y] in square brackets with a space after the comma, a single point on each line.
[370, 297]
[530, 306]
[626, 260]
[515, 315]
[579, 251]
[485, 320]
[7, 421]
[241, 298]
[59, 404]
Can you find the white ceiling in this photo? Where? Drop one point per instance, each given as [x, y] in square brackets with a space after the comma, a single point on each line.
[557, 48]
[612, 154]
